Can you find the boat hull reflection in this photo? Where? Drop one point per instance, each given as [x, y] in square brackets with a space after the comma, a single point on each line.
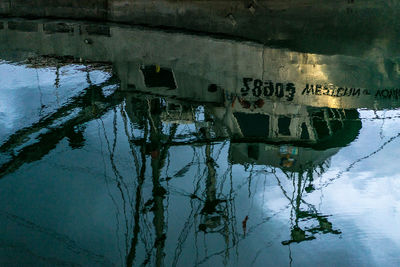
[244, 69]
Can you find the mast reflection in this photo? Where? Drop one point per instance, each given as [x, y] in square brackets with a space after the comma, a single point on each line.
[277, 127]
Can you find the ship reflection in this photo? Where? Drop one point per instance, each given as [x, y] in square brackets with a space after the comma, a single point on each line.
[273, 112]
[298, 140]
[285, 141]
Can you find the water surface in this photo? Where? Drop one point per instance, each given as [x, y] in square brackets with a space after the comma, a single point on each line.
[184, 157]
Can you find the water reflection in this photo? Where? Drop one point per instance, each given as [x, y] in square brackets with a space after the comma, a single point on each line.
[184, 154]
[342, 80]
[252, 135]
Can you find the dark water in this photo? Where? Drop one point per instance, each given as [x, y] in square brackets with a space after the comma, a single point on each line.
[179, 150]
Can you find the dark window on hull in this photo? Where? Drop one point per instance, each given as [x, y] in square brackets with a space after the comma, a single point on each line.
[253, 152]
[155, 76]
[304, 132]
[23, 26]
[283, 125]
[321, 127]
[253, 125]
[94, 29]
[50, 28]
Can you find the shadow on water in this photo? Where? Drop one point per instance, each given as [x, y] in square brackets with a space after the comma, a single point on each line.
[283, 124]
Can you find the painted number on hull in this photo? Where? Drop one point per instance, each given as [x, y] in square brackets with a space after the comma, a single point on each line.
[259, 88]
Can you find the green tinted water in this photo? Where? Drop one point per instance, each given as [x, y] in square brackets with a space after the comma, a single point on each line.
[179, 164]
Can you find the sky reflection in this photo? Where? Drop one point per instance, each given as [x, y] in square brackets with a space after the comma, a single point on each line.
[98, 170]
